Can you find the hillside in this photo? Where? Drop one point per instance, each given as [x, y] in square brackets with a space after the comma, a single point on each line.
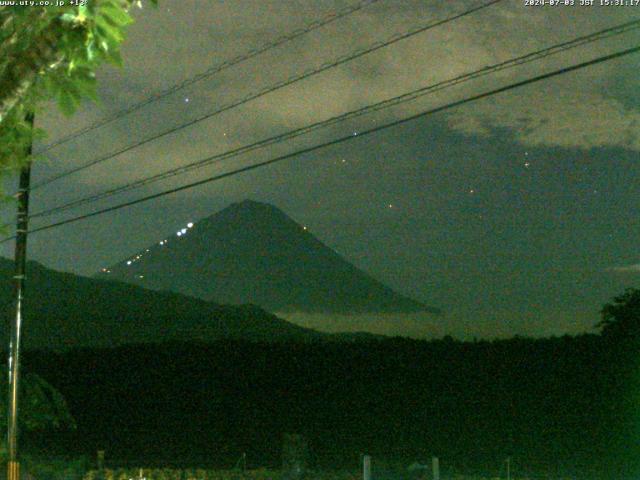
[65, 310]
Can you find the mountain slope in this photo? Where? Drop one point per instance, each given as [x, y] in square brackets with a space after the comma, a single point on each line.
[66, 310]
[252, 252]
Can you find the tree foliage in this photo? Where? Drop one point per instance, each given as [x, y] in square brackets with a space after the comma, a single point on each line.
[562, 405]
[51, 53]
[621, 317]
[41, 405]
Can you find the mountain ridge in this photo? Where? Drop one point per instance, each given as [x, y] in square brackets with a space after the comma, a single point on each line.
[253, 252]
[63, 310]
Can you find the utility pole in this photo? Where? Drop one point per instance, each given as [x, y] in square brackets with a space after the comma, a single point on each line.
[20, 258]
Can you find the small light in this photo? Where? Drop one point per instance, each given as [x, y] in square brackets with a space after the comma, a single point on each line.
[390, 205]
[190, 224]
[186, 100]
[147, 249]
[161, 242]
[129, 262]
[140, 276]
[184, 230]
[179, 234]
[304, 228]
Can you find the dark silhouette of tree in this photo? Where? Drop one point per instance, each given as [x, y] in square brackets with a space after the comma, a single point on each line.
[42, 406]
[621, 317]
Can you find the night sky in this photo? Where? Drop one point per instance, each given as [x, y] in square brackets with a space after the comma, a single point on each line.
[516, 214]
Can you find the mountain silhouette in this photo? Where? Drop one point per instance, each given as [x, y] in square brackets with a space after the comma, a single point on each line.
[63, 310]
[252, 252]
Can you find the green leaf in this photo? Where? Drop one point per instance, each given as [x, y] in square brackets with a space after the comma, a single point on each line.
[114, 57]
[66, 103]
[90, 50]
[115, 13]
[68, 17]
[86, 86]
[83, 10]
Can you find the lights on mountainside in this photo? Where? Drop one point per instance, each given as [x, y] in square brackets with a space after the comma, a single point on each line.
[135, 259]
[183, 231]
[140, 276]
[304, 228]
[179, 233]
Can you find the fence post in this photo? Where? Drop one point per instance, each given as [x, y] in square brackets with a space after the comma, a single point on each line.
[366, 467]
[436, 468]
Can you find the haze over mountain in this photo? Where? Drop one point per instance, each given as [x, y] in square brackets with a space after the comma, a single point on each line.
[65, 310]
[252, 252]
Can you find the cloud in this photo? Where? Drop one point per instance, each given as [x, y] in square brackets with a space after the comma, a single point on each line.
[578, 111]
[626, 269]
[463, 324]
[419, 325]
[567, 118]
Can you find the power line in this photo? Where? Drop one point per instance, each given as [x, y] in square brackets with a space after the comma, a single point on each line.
[533, 56]
[337, 141]
[277, 86]
[315, 25]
